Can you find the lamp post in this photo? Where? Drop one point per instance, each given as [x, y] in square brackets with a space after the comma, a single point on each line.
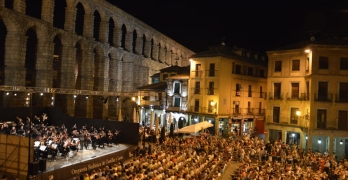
[293, 138]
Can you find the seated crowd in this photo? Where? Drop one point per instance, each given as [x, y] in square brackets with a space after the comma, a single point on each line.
[51, 141]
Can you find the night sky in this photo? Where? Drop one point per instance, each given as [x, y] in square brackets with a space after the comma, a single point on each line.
[250, 24]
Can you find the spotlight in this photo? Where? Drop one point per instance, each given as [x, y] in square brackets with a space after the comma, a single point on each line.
[75, 95]
[15, 94]
[341, 142]
[7, 93]
[86, 97]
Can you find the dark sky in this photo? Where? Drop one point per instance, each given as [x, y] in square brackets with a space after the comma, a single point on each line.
[250, 24]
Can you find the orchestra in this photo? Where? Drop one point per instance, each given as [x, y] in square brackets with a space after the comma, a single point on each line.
[54, 141]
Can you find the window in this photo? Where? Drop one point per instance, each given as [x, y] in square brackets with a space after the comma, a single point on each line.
[343, 96]
[323, 62]
[307, 64]
[177, 88]
[198, 70]
[295, 65]
[323, 91]
[276, 114]
[277, 90]
[196, 105]
[238, 69]
[198, 87]
[260, 108]
[212, 70]
[321, 118]
[211, 107]
[211, 88]
[236, 108]
[177, 101]
[237, 89]
[261, 93]
[249, 108]
[249, 91]
[344, 63]
[155, 80]
[295, 90]
[277, 66]
[342, 120]
[294, 116]
[262, 73]
[250, 71]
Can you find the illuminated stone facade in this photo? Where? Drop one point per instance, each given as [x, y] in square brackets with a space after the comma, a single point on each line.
[87, 45]
[307, 95]
[227, 87]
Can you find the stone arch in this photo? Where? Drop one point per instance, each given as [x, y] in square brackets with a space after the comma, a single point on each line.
[9, 4]
[96, 25]
[57, 60]
[79, 22]
[59, 14]
[134, 41]
[78, 64]
[111, 31]
[3, 34]
[31, 57]
[34, 8]
[123, 36]
[98, 68]
[143, 45]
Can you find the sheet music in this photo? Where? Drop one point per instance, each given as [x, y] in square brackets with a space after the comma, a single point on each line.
[50, 142]
[54, 146]
[36, 143]
[76, 139]
[42, 148]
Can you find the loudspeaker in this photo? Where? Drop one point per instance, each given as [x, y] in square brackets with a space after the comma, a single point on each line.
[33, 168]
[42, 165]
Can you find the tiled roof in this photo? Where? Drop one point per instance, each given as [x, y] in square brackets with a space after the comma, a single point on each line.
[228, 52]
[177, 69]
[303, 44]
[161, 86]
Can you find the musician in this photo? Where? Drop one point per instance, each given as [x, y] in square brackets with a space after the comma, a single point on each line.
[74, 146]
[21, 131]
[94, 139]
[13, 131]
[91, 130]
[87, 138]
[116, 133]
[110, 138]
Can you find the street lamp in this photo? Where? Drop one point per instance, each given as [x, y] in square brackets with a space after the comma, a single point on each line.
[293, 138]
[341, 142]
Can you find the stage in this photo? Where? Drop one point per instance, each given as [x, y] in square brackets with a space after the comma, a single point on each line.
[84, 161]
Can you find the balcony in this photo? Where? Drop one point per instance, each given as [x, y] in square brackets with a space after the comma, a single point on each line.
[199, 109]
[341, 98]
[249, 111]
[210, 73]
[275, 96]
[211, 91]
[323, 97]
[196, 91]
[198, 73]
[297, 97]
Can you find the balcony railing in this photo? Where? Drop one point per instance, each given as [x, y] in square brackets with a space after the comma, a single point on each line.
[248, 111]
[196, 90]
[198, 73]
[299, 96]
[199, 109]
[275, 96]
[210, 73]
[341, 98]
[323, 97]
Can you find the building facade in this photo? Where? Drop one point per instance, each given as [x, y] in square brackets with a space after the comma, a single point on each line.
[166, 97]
[307, 95]
[227, 87]
[78, 55]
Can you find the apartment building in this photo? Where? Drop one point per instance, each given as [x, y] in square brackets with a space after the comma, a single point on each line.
[307, 100]
[227, 87]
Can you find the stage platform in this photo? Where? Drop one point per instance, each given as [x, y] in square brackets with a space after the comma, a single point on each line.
[84, 161]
